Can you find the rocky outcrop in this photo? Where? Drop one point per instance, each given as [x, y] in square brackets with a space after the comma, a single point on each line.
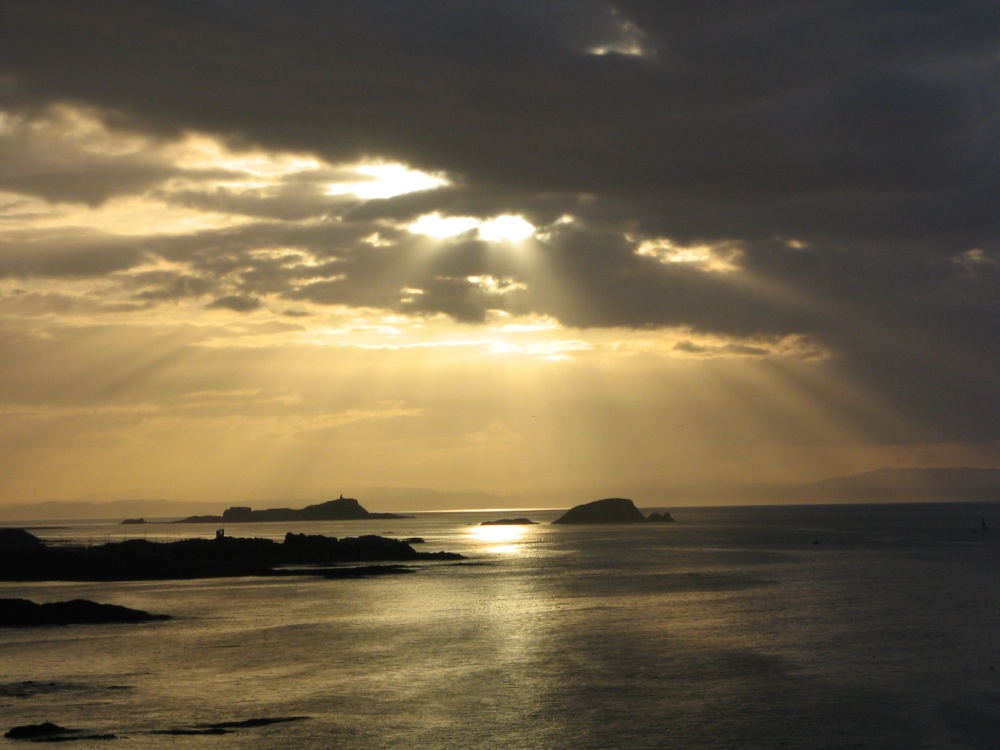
[26, 613]
[509, 522]
[660, 517]
[140, 560]
[14, 539]
[609, 510]
[201, 519]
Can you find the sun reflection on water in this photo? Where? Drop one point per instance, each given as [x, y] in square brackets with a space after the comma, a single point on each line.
[501, 539]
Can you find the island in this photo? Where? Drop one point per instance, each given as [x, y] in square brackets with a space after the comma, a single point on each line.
[26, 613]
[610, 510]
[221, 557]
[341, 509]
[509, 522]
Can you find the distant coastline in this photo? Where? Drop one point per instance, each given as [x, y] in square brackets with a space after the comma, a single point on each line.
[886, 485]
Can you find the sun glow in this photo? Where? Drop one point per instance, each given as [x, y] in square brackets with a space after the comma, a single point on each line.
[386, 181]
[503, 228]
[441, 227]
[506, 229]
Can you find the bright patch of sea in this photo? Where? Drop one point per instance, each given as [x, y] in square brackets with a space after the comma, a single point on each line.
[768, 627]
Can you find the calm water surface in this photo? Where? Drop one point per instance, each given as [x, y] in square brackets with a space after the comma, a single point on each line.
[822, 627]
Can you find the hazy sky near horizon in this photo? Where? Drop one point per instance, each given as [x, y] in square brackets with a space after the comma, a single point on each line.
[256, 249]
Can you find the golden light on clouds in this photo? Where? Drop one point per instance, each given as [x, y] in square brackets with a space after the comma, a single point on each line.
[188, 304]
[711, 258]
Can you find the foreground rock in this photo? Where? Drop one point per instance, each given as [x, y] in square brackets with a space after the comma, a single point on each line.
[141, 560]
[610, 510]
[26, 613]
[49, 732]
[17, 539]
[227, 727]
[341, 509]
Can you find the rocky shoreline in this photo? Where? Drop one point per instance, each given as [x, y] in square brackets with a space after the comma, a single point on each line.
[29, 559]
[26, 613]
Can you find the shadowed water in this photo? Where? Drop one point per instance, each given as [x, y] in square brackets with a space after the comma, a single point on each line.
[829, 627]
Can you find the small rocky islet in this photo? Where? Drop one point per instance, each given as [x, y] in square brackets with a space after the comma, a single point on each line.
[610, 510]
[509, 522]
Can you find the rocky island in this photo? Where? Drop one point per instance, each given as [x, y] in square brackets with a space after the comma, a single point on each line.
[26, 613]
[140, 560]
[509, 522]
[610, 510]
[341, 509]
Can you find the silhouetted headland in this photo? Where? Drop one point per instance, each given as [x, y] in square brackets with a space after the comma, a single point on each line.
[139, 559]
[341, 509]
[18, 539]
[26, 613]
[611, 510]
[509, 522]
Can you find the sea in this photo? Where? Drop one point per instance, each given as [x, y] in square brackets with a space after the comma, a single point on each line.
[833, 626]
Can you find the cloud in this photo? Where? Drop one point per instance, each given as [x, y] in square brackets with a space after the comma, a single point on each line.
[734, 176]
[235, 303]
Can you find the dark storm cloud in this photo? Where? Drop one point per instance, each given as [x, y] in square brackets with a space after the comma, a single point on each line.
[813, 115]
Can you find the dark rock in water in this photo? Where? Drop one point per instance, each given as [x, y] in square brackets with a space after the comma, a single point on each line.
[509, 522]
[227, 727]
[263, 721]
[25, 613]
[49, 732]
[37, 731]
[414, 540]
[610, 510]
[130, 521]
[201, 519]
[660, 518]
[12, 539]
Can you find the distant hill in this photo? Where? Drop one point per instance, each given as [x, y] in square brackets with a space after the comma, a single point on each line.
[944, 483]
[887, 485]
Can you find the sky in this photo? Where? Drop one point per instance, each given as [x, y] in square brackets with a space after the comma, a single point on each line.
[255, 250]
